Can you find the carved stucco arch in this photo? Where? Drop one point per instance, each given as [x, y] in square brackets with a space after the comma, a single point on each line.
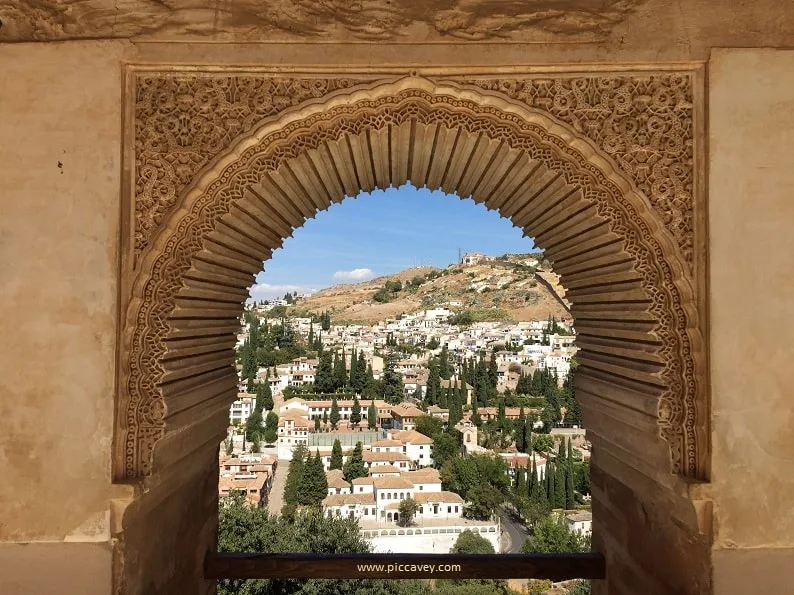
[632, 300]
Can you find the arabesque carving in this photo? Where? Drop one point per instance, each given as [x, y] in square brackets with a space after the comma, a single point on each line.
[643, 121]
[546, 176]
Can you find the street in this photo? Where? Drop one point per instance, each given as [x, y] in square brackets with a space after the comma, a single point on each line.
[514, 529]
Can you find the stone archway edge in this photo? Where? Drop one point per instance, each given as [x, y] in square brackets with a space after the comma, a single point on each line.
[172, 290]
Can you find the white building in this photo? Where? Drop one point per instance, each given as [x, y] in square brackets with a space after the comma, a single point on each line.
[293, 429]
[580, 522]
[241, 408]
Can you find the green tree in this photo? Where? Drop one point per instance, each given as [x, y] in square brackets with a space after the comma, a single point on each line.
[372, 415]
[542, 443]
[340, 373]
[483, 502]
[293, 481]
[352, 374]
[552, 536]
[325, 321]
[264, 395]
[433, 393]
[582, 477]
[570, 488]
[445, 447]
[428, 425]
[313, 485]
[229, 445]
[324, 377]
[469, 542]
[355, 412]
[251, 529]
[392, 381]
[418, 394]
[256, 445]
[354, 467]
[361, 374]
[444, 369]
[408, 508]
[336, 455]
[334, 417]
[580, 587]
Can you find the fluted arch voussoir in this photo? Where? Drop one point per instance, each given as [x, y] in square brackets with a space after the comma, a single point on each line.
[633, 305]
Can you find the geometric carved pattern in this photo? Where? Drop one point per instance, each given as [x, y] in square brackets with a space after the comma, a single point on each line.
[181, 123]
[623, 265]
[643, 121]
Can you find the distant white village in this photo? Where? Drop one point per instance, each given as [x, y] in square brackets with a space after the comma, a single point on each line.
[401, 386]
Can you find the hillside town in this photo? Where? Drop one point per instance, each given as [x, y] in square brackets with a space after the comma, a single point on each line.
[421, 428]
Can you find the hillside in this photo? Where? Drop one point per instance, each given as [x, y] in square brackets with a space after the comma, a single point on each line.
[505, 288]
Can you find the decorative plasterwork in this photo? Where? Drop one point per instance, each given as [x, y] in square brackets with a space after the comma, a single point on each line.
[315, 20]
[643, 122]
[626, 275]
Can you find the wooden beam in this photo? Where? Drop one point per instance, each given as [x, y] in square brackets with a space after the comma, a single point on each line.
[555, 567]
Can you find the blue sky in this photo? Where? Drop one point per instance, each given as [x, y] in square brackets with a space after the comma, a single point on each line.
[382, 233]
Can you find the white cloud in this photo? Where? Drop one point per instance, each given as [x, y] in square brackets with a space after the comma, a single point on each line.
[266, 291]
[354, 275]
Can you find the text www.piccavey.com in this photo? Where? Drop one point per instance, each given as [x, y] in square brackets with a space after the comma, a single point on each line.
[410, 568]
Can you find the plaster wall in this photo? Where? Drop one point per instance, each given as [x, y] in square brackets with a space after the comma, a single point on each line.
[60, 110]
[752, 289]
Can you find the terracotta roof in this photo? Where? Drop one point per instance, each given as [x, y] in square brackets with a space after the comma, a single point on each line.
[406, 410]
[381, 457]
[336, 479]
[413, 437]
[445, 497]
[426, 475]
[387, 483]
[358, 481]
[348, 499]
[387, 442]
[382, 469]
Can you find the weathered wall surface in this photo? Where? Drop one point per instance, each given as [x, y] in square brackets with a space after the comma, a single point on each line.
[60, 113]
[549, 30]
[751, 213]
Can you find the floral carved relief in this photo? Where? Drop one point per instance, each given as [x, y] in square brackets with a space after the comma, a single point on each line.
[643, 122]
[183, 122]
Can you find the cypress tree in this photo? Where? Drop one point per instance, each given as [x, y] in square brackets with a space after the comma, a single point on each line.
[310, 340]
[353, 374]
[334, 418]
[336, 455]
[323, 379]
[570, 492]
[521, 480]
[446, 397]
[493, 371]
[534, 491]
[313, 487]
[418, 394]
[294, 475]
[443, 364]
[355, 411]
[355, 467]
[325, 418]
[372, 416]
[550, 496]
[361, 373]
[559, 477]
[340, 373]
[433, 384]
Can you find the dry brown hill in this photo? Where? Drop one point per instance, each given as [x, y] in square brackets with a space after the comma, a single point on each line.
[504, 288]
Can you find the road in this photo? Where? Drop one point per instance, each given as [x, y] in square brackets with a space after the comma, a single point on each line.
[515, 530]
[276, 498]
